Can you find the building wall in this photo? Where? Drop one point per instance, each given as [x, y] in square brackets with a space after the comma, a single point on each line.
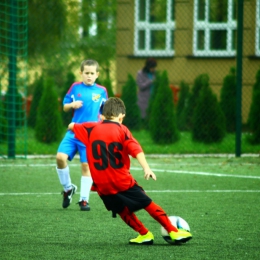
[184, 66]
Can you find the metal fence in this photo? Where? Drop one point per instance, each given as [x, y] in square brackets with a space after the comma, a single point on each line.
[215, 38]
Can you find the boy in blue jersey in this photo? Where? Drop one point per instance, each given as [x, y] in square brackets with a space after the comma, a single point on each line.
[85, 98]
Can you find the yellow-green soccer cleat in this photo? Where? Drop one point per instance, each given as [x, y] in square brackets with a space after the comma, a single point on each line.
[143, 240]
[182, 236]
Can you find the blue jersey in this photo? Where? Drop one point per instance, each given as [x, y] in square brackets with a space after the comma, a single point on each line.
[91, 96]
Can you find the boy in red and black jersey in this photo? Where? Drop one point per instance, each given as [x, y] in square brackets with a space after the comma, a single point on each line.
[109, 144]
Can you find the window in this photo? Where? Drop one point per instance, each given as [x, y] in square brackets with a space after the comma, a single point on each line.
[154, 28]
[215, 27]
[257, 40]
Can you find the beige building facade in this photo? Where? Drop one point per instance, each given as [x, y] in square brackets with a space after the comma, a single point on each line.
[188, 38]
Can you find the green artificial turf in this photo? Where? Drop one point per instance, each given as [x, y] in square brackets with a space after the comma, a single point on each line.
[218, 197]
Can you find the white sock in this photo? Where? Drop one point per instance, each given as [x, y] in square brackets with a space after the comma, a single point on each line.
[64, 177]
[85, 186]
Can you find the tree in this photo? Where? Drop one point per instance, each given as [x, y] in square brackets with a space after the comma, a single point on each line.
[228, 100]
[193, 99]
[129, 96]
[48, 127]
[152, 98]
[108, 85]
[67, 116]
[53, 39]
[208, 120]
[181, 109]
[100, 14]
[254, 113]
[37, 94]
[48, 29]
[18, 107]
[162, 123]
[3, 123]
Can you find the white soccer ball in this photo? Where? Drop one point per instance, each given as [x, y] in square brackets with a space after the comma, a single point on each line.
[178, 222]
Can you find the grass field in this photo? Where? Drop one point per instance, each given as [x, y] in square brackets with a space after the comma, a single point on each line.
[28, 144]
[218, 197]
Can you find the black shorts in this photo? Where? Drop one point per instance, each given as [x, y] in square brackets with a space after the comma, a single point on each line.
[134, 199]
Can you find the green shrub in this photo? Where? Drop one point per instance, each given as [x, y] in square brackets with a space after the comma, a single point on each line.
[48, 127]
[67, 116]
[129, 96]
[37, 94]
[182, 105]
[108, 85]
[3, 124]
[151, 100]
[254, 113]
[193, 99]
[208, 119]
[162, 124]
[228, 100]
[17, 106]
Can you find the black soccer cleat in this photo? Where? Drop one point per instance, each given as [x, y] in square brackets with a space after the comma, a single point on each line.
[67, 196]
[84, 206]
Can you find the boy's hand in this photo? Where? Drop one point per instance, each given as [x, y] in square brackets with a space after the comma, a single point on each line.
[148, 173]
[77, 104]
[70, 126]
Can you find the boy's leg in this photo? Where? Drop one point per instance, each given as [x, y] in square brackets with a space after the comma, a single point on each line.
[64, 177]
[62, 169]
[86, 180]
[145, 237]
[66, 150]
[85, 187]
[160, 216]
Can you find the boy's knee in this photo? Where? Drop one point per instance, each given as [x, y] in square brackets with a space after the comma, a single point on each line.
[61, 160]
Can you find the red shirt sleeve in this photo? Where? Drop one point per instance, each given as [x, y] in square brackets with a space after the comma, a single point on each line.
[80, 133]
[131, 144]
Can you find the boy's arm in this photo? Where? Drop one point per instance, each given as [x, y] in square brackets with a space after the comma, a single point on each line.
[73, 105]
[147, 171]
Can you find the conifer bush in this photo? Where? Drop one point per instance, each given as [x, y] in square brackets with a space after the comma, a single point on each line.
[193, 99]
[108, 84]
[37, 94]
[3, 124]
[67, 116]
[49, 125]
[181, 109]
[18, 107]
[151, 100]
[254, 113]
[129, 96]
[228, 100]
[208, 119]
[162, 123]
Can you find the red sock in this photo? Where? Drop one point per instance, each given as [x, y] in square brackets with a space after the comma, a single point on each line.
[160, 216]
[132, 221]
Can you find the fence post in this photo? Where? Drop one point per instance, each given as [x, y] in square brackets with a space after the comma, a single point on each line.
[11, 94]
[239, 75]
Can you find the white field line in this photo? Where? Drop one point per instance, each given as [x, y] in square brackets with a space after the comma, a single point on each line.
[207, 155]
[201, 173]
[155, 191]
[139, 169]
[155, 164]
[147, 191]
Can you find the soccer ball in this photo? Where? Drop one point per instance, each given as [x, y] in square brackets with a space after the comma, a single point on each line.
[178, 222]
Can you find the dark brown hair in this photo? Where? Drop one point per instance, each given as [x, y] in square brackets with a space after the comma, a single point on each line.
[113, 107]
[89, 63]
[150, 63]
